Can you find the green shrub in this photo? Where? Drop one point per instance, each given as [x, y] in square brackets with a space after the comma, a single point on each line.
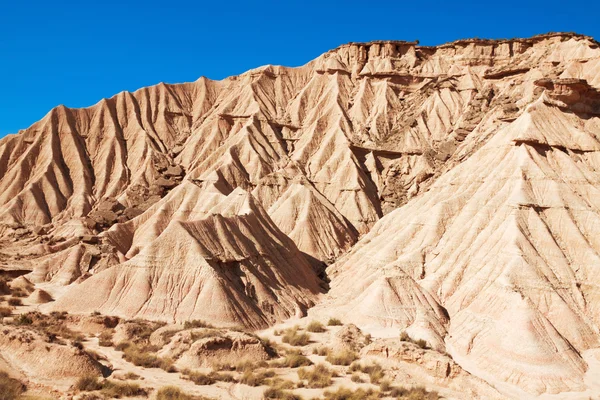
[10, 389]
[334, 322]
[317, 377]
[316, 326]
[345, 357]
[294, 338]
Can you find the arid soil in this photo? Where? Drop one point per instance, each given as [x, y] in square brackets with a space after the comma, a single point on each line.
[438, 205]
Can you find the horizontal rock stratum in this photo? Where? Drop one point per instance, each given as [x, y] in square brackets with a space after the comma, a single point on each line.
[451, 192]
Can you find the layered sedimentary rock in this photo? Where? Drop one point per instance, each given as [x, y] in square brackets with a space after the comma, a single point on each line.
[451, 190]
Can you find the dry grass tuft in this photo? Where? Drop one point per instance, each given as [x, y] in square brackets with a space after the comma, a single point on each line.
[295, 359]
[174, 393]
[347, 394]
[416, 393]
[317, 377]
[294, 338]
[316, 326]
[334, 322]
[10, 389]
[345, 357]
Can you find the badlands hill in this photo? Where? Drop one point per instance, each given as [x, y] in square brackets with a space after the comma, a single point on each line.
[451, 192]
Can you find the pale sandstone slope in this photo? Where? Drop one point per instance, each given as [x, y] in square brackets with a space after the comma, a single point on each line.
[481, 155]
[506, 242]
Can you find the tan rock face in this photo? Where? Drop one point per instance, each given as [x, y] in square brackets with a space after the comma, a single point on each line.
[450, 190]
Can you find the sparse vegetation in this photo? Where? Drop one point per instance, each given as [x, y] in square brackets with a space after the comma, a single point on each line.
[174, 393]
[196, 323]
[143, 356]
[321, 351]
[416, 393]
[294, 338]
[295, 359]
[385, 386]
[356, 378]
[131, 376]
[317, 377]
[345, 357]
[347, 394]
[112, 389]
[375, 371]
[200, 378]
[404, 337]
[334, 322]
[280, 394]
[105, 339]
[116, 390]
[256, 378]
[316, 326]
[5, 312]
[14, 301]
[88, 383]
[10, 389]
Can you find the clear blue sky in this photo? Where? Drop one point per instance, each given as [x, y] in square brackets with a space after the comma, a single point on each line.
[76, 52]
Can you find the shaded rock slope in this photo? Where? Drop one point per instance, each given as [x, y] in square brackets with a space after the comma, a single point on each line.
[450, 192]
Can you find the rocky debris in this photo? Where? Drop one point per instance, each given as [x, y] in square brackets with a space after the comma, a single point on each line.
[576, 94]
[437, 364]
[45, 363]
[209, 347]
[349, 337]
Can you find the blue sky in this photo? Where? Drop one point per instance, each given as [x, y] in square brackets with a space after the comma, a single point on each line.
[77, 52]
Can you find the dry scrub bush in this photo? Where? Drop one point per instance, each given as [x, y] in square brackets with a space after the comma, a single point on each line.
[416, 393]
[294, 359]
[145, 357]
[317, 377]
[5, 312]
[196, 323]
[116, 390]
[88, 383]
[321, 351]
[105, 339]
[280, 394]
[13, 301]
[294, 338]
[10, 389]
[345, 357]
[316, 326]
[347, 394]
[174, 393]
[404, 337]
[334, 322]
[375, 371]
[256, 378]
[200, 378]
